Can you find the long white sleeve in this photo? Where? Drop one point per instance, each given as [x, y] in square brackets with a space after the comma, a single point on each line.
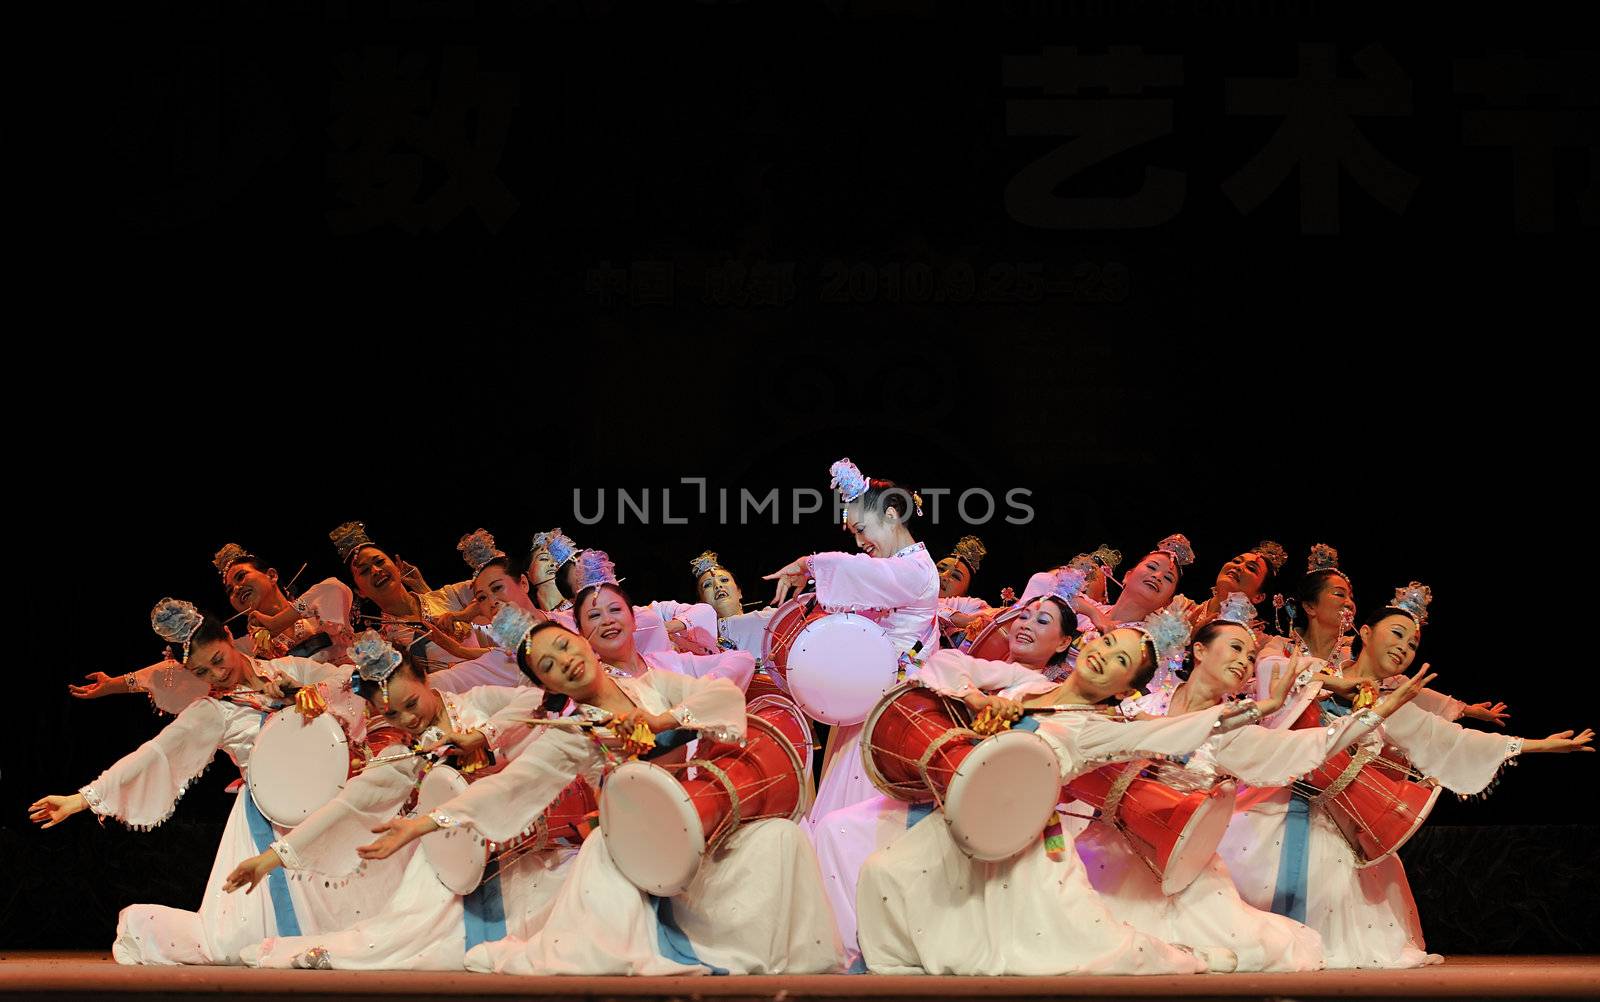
[736, 666]
[506, 805]
[325, 843]
[849, 582]
[952, 673]
[1265, 757]
[492, 668]
[1462, 760]
[712, 706]
[143, 787]
[1084, 741]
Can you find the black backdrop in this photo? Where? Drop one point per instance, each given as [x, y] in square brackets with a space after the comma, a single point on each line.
[438, 265]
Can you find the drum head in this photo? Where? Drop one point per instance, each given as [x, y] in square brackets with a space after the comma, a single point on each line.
[297, 765]
[651, 828]
[840, 666]
[1198, 843]
[458, 855]
[1003, 795]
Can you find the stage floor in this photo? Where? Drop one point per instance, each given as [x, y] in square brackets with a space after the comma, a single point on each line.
[87, 975]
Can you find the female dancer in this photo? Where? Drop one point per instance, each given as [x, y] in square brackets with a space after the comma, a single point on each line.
[756, 906]
[142, 789]
[1287, 854]
[1039, 640]
[315, 626]
[425, 926]
[925, 907]
[892, 581]
[605, 617]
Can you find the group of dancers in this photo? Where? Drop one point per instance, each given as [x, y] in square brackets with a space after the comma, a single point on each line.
[548, 698]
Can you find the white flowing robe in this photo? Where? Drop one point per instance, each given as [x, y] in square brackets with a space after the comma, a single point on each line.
[756, 906]
[923, 906]
[1366, 916]
[424, 926]
[142, 789]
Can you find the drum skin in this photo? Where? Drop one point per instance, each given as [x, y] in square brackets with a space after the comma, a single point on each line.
[297, 765]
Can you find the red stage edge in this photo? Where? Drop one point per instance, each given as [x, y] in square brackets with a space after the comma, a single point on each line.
[65, 976]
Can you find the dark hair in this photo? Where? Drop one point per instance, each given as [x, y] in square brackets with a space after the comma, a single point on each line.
[408, 665]
[513, 568]
[1147, 667]
[885, 495]
[1068, 616]
[1269, 576]
[553, 701]
[577, 601]
[1315, 583]
[563, 584]
[1204, 635]
[210, 631]
[1373, 618]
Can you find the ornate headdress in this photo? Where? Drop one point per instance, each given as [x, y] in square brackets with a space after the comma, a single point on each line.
[1177, 547]
[1068, 584]
[595, 568]
[1106, 557]
[1168, 632]
[375, 660]
[848, 480]
[510, 627]
[348, 539]
[1413, 600]
[1273, 554]
[229, 555]
[1322, 558]
[971, 551]
[478, 550]
[560, 545]
[1240, 611]
[703, 564]
[175, 621]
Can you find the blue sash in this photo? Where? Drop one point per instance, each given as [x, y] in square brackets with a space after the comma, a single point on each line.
[483, 912]
[671, 941]
[1289, 895]
[262, 835]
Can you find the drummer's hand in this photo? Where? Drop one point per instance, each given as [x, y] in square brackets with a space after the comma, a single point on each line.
[252, 872]
[791, 578]
[1404, 693]
[100, 684]
[47, 812]
[1495, 713]
[1283, 677]
[274, 625]
[459, 743]
[397, 833]
[1339, 685]
[410, 576]
[1560, 741]
[998, 706]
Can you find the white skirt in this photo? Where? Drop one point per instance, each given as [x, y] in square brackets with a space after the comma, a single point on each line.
[226, 924]
[1366, 917]
[843, 840]
[924, 907]
[1207, 913]
[424, 928]
[844, 781]
[755, 907]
